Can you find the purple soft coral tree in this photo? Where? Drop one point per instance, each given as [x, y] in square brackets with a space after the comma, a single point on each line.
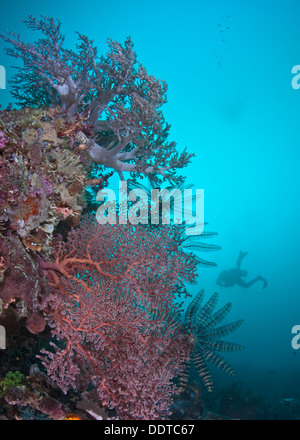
[112, 290]
[121, 99]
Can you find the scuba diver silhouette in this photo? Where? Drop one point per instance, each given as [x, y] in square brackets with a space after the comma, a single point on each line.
[228, 278]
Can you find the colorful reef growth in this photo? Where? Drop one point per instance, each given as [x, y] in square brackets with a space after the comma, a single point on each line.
[102, 298]
[115, 96]
[108, 283]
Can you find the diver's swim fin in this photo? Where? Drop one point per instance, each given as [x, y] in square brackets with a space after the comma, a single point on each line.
[264, 281]
[241, 256]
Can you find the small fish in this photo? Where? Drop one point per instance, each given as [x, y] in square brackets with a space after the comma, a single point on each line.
[272, 371]
[287, 399]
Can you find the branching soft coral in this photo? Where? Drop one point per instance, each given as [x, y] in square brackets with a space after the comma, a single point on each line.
[121, 100]
[108, 284]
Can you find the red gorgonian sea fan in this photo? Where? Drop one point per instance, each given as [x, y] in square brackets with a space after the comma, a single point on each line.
[111, 287]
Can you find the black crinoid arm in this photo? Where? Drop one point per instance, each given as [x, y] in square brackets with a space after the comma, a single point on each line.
[204, 335]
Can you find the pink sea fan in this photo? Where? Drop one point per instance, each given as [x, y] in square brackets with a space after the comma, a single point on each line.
[106, 281]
